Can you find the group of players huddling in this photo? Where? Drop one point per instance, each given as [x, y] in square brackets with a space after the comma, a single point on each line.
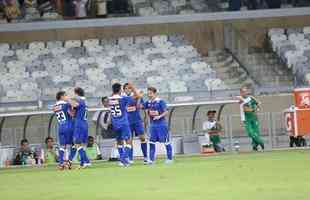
[125, 104]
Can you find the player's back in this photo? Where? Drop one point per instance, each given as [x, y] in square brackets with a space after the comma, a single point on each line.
[81, 112]
[61, 110]
[118, 106]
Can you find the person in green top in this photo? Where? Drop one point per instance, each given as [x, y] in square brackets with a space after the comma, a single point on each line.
[249, 106]
[49, 152]
[92, 149]
[213, 131]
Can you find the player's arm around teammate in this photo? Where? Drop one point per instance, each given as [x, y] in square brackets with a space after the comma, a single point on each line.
[136, 122]
[80, 133]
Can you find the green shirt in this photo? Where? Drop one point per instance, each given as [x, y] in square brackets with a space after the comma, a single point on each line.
[252, 104]
[49, 156]
[93, 152]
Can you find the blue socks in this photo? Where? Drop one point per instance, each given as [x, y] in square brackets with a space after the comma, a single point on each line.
[152, 151]
[128, 152]
[144, 149]
[122, 154]
[169, 151]
[72, 153]
[83, 157]
[61, 156]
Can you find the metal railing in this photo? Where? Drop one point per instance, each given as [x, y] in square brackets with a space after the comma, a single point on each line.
[47, 116]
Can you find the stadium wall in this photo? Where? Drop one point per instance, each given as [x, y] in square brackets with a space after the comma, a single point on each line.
[204, 31]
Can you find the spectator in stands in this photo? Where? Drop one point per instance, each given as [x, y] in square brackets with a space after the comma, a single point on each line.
[234, 5]
[49, 155]
[274, 3]
[24, 156]
[80, 8]
[11, 10]
[252, 4]
[69, 9]
[92, 149]
[104, 119]
[213, 130]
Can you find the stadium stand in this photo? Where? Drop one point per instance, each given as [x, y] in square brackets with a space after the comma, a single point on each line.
[292, 46]
[38, 70]
[13, 11]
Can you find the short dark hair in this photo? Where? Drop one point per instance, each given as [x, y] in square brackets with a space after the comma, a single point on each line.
[48, 138]
[23, 141]
[125, 85]
[211, 112]
[91, 137]
[153, 89]
[116, 87]
[60, 94]
[104, 98]
[79, 91]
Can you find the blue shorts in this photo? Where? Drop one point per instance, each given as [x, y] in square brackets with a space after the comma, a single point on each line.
[122, 132]
[80, 134]
[137, 128]
[65, 136]
[159, 133]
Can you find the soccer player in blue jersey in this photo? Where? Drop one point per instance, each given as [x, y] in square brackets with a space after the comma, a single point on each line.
[80, 133]
[65, 125]
[157, 110]
[136, 123]
[118, 105]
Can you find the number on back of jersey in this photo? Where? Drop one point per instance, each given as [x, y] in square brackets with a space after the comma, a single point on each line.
[61, 117]
[116, 110]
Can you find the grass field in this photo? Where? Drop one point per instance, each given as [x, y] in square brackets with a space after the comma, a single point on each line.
[277, 175]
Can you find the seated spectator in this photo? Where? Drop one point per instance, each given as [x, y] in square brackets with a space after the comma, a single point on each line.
[24, 156]
[11, 10]
[49, 154]
[273, 4]
[104, 119]
[80, 8]
[213, 131]
[299, 141]
[68, 9]
[235, 5]
[92, 149]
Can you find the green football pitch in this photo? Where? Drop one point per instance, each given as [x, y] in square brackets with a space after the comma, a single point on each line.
[277, 175]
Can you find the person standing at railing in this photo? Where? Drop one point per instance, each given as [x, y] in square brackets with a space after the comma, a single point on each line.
[249, 106]
[104, 119]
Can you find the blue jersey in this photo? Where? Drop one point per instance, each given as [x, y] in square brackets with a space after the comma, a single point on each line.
[155, 108]
[61, 110]
[118, 106]
[81, 112]
[133, 111]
